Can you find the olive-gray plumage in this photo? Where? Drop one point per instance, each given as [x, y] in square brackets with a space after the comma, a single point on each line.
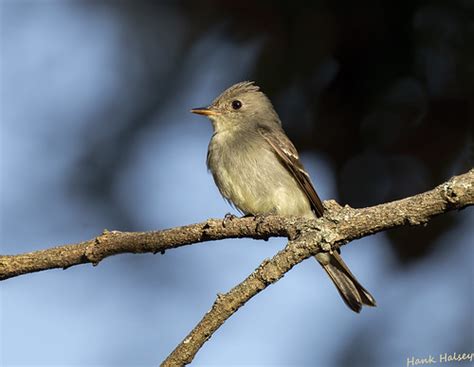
[257, 168]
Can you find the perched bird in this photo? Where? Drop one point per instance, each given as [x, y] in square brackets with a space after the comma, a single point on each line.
[257, 168]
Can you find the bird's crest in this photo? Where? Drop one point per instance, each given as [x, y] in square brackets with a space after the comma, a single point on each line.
[237, 89]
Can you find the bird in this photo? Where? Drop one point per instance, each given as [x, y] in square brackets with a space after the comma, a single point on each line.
[257, 169]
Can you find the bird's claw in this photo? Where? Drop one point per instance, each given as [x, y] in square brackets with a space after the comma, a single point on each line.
[227, 218]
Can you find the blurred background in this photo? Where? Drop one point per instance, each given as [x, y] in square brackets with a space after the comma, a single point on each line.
[96, 133]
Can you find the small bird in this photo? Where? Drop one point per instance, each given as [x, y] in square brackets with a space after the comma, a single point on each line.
[257, 169]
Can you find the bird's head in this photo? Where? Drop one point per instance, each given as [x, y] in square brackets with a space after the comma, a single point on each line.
[242, 105]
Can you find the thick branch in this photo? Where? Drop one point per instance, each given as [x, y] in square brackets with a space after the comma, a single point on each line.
[115, 242]
[307, 237]
[341, 227]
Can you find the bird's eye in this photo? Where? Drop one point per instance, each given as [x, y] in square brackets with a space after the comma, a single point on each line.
[236, 104]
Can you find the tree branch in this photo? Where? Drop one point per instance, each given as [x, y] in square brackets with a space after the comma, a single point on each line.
[115, 242]
[340, 226]
[306, 238]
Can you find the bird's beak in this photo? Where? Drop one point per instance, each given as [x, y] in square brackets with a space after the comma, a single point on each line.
[206, 111]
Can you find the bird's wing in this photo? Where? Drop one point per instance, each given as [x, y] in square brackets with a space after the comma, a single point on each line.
[288, 154]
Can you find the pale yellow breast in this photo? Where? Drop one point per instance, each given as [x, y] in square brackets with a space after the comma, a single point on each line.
[255, 183]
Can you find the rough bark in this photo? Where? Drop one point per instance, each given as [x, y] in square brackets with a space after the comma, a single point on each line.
[306, 237]
[338, 227]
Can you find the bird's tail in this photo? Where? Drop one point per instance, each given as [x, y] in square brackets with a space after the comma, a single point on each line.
[351, 291]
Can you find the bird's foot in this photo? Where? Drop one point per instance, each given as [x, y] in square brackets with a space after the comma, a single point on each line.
[260, 219]
[228, 218]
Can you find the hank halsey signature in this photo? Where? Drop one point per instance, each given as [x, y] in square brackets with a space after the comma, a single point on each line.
[441, 358]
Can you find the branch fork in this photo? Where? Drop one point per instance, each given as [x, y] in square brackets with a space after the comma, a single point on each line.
[306, 237]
